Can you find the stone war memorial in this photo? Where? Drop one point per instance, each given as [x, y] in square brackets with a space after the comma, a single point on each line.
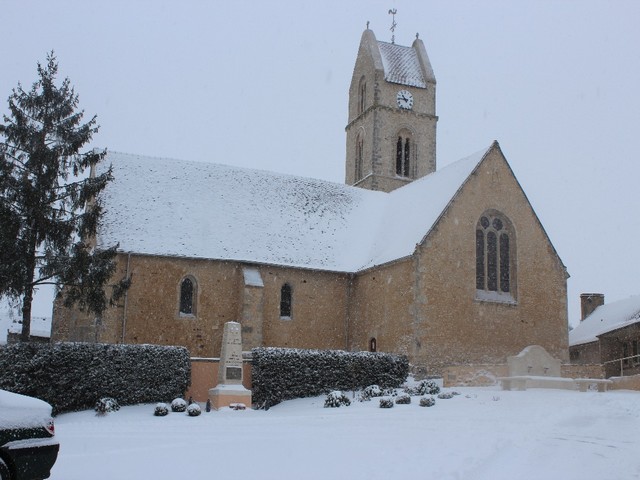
[229, 390]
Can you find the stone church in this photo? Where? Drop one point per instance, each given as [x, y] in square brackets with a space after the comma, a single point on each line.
[449, 266]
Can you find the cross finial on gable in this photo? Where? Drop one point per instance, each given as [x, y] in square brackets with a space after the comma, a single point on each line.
[393, 12]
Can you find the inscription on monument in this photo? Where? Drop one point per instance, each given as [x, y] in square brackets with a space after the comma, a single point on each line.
[230, 371]
[234, 373]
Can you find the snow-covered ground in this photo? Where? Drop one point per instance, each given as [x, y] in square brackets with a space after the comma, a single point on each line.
[483, 433]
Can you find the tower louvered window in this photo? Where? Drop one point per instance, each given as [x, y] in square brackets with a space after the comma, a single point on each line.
[359, 157]
[362, 95]
[403, 156]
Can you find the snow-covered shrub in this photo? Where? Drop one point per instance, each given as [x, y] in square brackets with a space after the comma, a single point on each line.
[425, 387]
[336, 399]
[193, 410]
[445, 395]
[131, 373]
[106, 405]
[372, 391]
[284, 373]
[161, 410]
[403, 400]
[427, 402]
[386, 403]
[178, 405]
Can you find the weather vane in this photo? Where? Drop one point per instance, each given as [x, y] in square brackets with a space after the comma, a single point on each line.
[393, 12]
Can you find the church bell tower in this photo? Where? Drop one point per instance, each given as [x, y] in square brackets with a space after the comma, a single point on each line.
[391, 131]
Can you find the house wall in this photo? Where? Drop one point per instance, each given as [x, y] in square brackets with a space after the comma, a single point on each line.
[611, 350]
[451, 325]
[585, 354]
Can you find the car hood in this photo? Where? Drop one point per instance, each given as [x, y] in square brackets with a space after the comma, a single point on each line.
[20, 411]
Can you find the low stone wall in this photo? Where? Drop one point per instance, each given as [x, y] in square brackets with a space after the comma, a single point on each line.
[486, 375]
[582, 371]
[204, 375]
[631, 382]
[473, 375]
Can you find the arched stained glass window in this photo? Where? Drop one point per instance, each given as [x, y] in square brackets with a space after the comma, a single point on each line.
[494, 267]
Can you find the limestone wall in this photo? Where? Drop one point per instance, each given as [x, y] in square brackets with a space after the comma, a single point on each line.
[449, 323]
[381, 308]
[150, 313]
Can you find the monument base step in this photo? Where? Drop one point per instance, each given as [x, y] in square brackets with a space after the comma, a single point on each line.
[226, 395]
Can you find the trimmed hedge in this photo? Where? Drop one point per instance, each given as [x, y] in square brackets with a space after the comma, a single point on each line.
[285, 373]
[73, 376]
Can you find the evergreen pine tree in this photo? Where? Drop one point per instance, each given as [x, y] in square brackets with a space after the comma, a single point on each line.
[48, 207]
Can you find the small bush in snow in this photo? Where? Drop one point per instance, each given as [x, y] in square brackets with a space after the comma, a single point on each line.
[106, 405]
[427, 402]
[403, 400]
[178, 405]
[425, 387]
[386, 403]
[370, 392]
[336, 399]
[193, 410]
[445, 396]
[161, 410]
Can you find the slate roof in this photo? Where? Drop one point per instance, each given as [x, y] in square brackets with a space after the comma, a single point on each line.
[401, 65]
[171, 207]
[606, 318]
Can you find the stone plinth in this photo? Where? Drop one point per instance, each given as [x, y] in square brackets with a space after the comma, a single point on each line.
[230, 389]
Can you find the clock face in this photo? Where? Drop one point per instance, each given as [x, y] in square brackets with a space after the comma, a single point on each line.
[405, 99]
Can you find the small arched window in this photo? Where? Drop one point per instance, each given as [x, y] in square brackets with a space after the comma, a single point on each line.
[373, 345]
[403, 155]
[188, 291]
[359, 156]
[362, 95]
[285, 301]
[494, 250]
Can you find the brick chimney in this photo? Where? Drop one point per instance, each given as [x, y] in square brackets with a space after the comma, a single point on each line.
[589, 302]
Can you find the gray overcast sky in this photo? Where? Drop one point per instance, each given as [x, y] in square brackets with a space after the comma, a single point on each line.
[264, 84]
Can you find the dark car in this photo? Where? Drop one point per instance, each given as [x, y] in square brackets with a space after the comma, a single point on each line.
[28, 448]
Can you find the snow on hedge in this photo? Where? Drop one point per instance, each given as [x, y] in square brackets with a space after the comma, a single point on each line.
[284, 373]
[73, 376]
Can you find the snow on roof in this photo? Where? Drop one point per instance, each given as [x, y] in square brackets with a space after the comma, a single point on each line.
[203, 210]
[401, 65]
[606, 318]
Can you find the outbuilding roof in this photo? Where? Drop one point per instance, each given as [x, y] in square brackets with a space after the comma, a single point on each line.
[168, 207]
[606, 318]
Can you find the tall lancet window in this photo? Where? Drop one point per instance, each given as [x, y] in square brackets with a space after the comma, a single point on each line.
[285, 301]
[403, 156]
[494, 253]
[188, 291]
